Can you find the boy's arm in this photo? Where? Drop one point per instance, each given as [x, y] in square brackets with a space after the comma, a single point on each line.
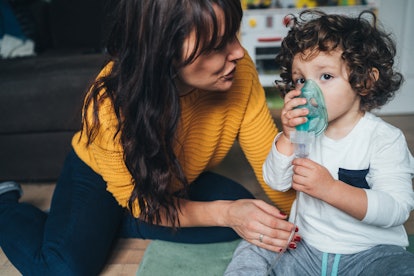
[277, 169]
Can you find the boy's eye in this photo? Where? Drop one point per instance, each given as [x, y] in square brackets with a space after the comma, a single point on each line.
[299, 82]
[326, 77]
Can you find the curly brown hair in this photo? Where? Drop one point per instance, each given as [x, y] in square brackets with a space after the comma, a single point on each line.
[365, 49]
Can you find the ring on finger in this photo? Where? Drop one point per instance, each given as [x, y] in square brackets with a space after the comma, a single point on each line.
[261, 237]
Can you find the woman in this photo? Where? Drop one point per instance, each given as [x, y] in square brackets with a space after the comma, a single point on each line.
[176, 93]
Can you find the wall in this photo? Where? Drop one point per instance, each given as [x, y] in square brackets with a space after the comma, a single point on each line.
[397, 16]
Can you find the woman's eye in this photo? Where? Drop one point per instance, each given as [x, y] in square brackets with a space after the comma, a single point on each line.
[223, 44]
[326, 77]
[219, 48]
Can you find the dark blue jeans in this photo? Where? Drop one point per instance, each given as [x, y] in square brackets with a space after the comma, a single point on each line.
[76, 236]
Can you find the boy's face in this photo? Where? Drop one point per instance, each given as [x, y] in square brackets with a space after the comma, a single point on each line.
[331, 74]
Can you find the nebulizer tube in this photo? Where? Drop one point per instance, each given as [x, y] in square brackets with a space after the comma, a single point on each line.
[303, 138]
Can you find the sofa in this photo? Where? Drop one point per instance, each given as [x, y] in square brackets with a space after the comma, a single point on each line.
[41, 96]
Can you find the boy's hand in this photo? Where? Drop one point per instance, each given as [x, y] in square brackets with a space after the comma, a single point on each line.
[311, 178]
[315, 180]
[290, 116]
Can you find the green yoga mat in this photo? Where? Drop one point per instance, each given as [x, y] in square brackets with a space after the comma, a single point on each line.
[168, 258]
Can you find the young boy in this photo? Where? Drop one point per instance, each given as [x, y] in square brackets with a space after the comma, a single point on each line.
[355, 188]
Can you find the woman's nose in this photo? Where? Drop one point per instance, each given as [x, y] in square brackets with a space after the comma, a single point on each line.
[236, 51]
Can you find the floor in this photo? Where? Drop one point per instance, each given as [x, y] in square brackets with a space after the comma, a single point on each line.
[127, 254]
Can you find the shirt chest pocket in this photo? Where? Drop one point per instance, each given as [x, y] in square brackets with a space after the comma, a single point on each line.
[354, 178]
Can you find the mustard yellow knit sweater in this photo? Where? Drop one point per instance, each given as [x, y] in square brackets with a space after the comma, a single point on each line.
[209, 125]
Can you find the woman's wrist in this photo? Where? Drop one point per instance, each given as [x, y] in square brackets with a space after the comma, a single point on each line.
[221, 212]
[204, 213]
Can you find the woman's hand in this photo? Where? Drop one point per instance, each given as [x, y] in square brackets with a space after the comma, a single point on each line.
[261, 224]
[253, 220]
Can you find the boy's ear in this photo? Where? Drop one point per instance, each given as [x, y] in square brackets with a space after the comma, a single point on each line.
[374, 73]
[373, 78]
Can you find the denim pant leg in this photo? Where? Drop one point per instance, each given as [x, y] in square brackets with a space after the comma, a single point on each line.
[10, 25]
[75, 238]
[207, 187]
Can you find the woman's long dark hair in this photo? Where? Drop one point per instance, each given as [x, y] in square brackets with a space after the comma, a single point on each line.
[146, 49]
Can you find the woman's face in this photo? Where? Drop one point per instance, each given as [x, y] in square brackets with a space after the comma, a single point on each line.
[213, 71]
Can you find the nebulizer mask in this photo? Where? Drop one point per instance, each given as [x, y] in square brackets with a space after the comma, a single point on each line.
[303, 138]
[317, 119]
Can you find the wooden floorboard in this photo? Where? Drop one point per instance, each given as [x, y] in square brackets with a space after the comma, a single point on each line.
[126, 257]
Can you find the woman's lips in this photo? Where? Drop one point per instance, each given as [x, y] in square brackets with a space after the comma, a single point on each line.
[230, 75]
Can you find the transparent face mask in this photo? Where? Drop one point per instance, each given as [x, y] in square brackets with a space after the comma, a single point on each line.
[315, 103]
[317, 119]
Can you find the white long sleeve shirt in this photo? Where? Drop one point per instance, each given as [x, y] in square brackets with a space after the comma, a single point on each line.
[373, 156]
